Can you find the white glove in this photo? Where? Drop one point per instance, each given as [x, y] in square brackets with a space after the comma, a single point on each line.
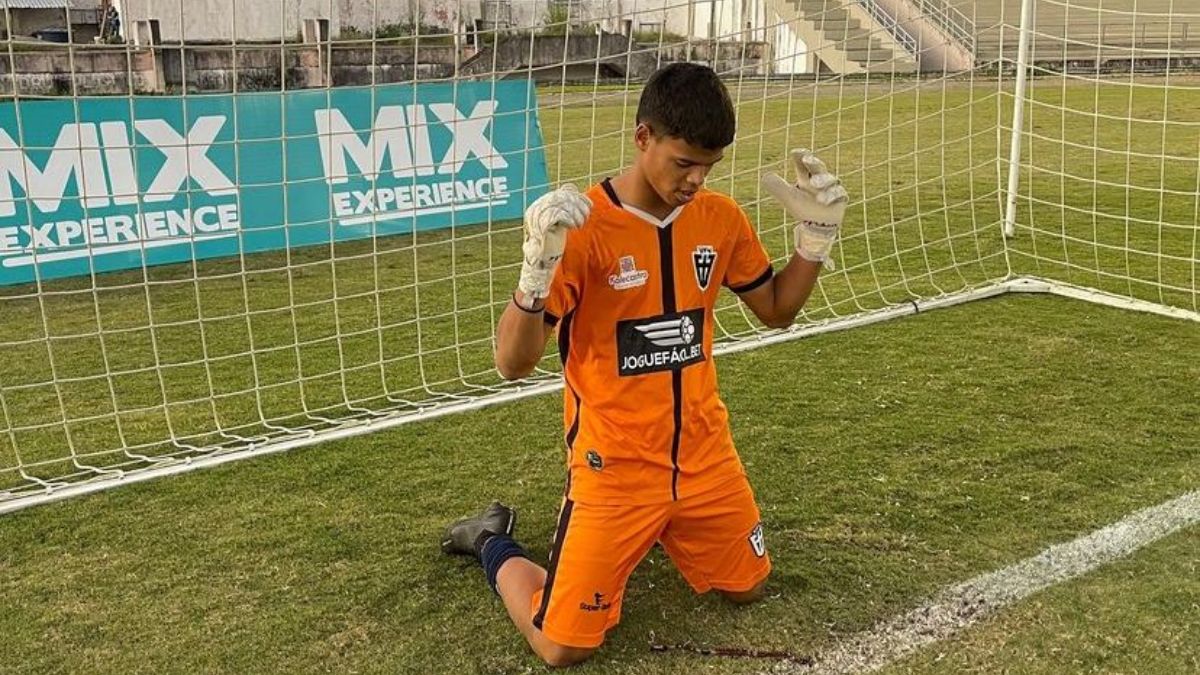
[817, 201]
[546, 223]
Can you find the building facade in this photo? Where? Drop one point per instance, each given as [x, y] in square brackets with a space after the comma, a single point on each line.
[224, 21]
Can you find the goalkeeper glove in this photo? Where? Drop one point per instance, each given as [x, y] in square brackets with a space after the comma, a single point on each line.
[546, 223]
[817, 201]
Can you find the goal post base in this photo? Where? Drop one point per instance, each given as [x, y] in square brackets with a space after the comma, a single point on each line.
[1040, 285]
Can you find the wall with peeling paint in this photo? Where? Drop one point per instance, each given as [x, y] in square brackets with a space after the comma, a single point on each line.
[223, 21]
[227, 20]
[366, 15]
[698, 19]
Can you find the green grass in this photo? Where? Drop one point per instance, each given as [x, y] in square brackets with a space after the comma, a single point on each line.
[233, 349]
[182, 359]
[1137, 615]
[1110, 195]
[889, 462]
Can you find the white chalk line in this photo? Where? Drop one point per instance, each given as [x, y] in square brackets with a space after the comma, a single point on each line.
[968, 603]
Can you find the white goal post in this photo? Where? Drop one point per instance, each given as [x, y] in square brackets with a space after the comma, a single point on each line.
[300, 221]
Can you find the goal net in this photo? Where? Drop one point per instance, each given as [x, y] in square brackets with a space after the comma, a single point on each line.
[1106, 195]
[229, 228]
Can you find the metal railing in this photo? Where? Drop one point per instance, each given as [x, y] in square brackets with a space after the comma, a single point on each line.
[889, 23]
[1181, 35]
[1110, 40]
[950, 19]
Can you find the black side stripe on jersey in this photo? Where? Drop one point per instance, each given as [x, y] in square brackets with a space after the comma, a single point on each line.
[677, 393]
[570, 439]
[560, 535]
[550, 318]
[759, 281]
[564, 338]
[564, 350]
[666, 257]
[574, 430]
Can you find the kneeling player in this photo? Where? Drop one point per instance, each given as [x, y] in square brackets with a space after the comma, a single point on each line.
[628, 274]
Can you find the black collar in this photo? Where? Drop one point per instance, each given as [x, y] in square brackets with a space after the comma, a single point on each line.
[612, 194]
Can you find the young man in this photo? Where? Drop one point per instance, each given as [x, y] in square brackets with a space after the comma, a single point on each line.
[629, 274]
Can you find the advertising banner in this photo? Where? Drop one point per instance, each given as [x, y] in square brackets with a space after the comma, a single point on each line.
[101, 184]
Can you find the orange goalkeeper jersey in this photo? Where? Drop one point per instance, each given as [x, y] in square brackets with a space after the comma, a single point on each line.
[633, 301]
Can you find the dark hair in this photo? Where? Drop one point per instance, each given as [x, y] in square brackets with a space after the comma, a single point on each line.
[688, 101]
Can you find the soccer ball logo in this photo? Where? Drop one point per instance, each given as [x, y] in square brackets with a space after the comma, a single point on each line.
[670, 332]
[687, 330]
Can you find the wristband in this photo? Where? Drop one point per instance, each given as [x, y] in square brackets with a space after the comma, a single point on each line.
[530, 309]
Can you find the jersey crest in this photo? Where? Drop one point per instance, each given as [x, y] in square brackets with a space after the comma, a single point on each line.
[704, 258]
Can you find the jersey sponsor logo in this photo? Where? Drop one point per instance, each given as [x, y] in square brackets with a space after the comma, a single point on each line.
[629, 276]
[757, 543]
[597, 605]
[594, 460]
[704, 258]
[659, 343]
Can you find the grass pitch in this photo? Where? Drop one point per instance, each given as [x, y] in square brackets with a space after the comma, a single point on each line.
[889, 461]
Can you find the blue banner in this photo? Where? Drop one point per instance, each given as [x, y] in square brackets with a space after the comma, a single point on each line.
[102, 184]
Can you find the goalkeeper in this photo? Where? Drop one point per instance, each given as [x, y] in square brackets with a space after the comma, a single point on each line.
[628, 273]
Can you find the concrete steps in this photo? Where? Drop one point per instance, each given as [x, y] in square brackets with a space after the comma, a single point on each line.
[844, 39]
[1088, 30]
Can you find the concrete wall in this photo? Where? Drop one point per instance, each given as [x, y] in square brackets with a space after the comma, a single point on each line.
[543, 56]
[211, 69]
[97, 71]
[358, 67]
[361, 15]
[226, 20]
[543, 60]
[113, 70]
[700, 19]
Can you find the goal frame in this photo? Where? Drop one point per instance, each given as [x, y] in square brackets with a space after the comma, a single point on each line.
[355, 426]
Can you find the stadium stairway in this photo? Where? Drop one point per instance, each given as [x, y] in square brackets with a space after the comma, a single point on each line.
[844, 38]
[944, 37]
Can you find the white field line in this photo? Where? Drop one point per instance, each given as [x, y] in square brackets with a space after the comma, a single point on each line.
[968, 603]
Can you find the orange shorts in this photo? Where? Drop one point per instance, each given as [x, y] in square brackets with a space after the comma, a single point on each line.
[715, 539]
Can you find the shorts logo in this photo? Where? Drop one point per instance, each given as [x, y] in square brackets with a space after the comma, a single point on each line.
[657, 343]
[598, 606]
[757, 542]
[629, 277]
[594, 460]
[704, 258]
